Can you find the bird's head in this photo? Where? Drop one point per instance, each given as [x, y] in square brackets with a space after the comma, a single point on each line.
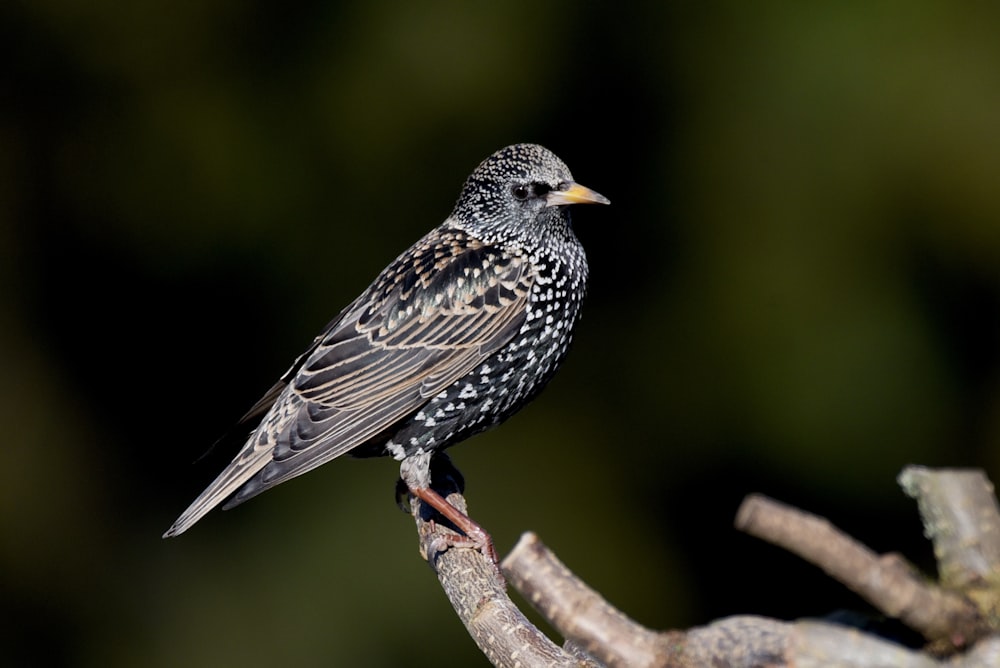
[520, 191]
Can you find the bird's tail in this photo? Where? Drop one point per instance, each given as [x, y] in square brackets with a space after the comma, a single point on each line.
[246, 464]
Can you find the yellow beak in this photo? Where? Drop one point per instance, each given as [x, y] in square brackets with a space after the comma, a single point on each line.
[574, 193]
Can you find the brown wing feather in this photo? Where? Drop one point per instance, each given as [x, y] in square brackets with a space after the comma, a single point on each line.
[430, 318]
[372, 371]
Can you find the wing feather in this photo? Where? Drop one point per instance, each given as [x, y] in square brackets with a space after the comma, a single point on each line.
[429, 319]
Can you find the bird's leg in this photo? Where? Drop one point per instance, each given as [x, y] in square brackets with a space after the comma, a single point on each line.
[477, 536]
[415, 472]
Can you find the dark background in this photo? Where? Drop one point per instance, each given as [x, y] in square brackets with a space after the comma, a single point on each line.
[796, 291]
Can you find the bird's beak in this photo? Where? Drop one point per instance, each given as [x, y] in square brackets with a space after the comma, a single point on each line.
[574, 193]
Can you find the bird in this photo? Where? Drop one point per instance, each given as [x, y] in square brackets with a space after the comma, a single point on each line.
[456, 335]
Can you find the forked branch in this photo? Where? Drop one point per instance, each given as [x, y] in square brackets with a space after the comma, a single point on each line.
[957, 616]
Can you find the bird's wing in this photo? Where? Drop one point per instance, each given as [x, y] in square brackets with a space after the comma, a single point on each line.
[259, 409]
[435, 313]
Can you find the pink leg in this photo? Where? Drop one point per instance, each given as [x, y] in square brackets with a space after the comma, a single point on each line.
[477, 535]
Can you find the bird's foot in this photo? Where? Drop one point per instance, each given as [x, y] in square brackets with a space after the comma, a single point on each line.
[475, 537]
[416, 472]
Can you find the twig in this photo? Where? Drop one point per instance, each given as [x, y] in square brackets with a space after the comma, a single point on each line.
[961, 517]
[577, 611]
[887, 582]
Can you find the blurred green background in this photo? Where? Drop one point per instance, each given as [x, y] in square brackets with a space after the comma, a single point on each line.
[796, 291]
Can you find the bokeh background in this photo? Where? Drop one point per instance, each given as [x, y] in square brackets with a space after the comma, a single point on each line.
[796, 291]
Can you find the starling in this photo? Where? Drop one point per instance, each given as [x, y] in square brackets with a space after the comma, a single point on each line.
[455, 336]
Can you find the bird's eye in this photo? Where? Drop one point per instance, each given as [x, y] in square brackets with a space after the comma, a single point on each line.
[520, 192]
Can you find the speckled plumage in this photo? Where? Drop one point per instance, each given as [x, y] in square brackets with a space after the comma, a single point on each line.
[458, 333]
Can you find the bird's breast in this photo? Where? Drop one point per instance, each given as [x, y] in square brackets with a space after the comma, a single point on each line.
[514, 374]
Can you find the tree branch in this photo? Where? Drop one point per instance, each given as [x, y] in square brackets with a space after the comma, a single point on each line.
[582, 615]
[959, 510]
